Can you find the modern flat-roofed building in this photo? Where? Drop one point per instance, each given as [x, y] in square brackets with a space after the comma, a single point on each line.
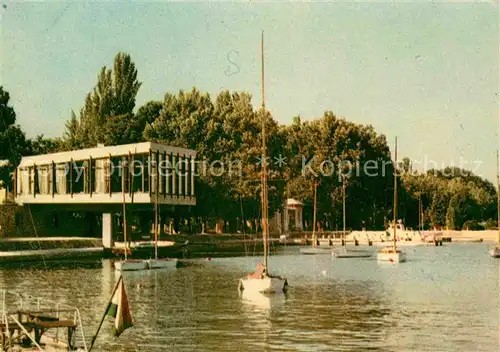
[130, 173]
[102, 179]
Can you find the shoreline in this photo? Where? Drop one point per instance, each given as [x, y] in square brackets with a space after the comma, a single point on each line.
[36, 249]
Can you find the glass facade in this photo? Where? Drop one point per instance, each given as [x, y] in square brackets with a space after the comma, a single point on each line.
[154, 173]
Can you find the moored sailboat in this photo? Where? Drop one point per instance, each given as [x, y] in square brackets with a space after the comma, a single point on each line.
[393, 254]
[344, 252]
[495, 250]
[261, 280]
[159, 263]
[127, 264]
[314, 249]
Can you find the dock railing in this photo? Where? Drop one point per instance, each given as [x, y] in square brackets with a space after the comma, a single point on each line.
[15, 306]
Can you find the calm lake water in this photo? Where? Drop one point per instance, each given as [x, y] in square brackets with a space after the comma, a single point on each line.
[443, 299]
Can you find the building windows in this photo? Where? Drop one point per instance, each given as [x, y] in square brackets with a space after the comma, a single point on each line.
[163, 172]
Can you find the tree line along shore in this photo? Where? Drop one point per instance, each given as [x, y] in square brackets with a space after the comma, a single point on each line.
[305, 153]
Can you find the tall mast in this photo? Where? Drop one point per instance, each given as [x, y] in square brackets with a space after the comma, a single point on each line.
[124, 210]
[314, 215]
[343, 210]
[498, 201]
[265, 225]
[157, 183]
[420, 218]
[395, 192]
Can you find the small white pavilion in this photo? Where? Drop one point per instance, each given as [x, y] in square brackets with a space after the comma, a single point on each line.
[289, 219]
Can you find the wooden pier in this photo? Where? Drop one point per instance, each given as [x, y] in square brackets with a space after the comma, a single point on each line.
[25, 329]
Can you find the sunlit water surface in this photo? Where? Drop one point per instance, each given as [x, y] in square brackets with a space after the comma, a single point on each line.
[443, 299]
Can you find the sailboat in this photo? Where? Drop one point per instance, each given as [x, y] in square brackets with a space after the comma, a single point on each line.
[344, 252]
[127, 264]
[495, 251]
[314, 249]
[393, 254]
[261, 280]
[159, 263]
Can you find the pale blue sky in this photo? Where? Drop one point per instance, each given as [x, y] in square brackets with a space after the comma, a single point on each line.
[428, 73]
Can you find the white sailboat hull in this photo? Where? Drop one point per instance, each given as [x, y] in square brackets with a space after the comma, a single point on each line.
[131, 265]
[315, 250]
[345, 253]
[264, 285]
[495, 252]
[389, 255]
[162, 263]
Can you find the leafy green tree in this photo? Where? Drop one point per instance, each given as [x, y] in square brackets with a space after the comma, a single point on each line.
[112, 100]
[12, 140]
[147, 114]
[40, 145]
[71, 135]
[183, 120]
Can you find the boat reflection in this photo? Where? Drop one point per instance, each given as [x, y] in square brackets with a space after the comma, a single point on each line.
[262, 301]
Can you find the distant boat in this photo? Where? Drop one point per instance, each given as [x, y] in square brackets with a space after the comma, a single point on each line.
[495, 251]
[344, 252]
[393, 254]
[261, 280]
[128, 264]
[314, 249]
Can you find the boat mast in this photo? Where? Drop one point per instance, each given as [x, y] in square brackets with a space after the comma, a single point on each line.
[420, 213]
[314, 215]
[498, 201]
[265, 225]
[343, 211]
[124, 209]
[395, 192]
[156, 209]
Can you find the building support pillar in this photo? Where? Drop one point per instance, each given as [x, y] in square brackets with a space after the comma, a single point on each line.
[107, 230]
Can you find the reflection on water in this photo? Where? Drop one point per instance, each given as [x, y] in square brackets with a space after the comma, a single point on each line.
[443, 299]
[263, 302]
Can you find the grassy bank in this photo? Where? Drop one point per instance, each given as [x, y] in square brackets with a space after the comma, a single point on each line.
[47, 243]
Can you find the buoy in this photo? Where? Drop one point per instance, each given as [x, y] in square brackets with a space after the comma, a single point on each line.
[209, 259]
[390, 259]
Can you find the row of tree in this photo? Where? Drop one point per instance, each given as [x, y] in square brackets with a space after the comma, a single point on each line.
[328, 152]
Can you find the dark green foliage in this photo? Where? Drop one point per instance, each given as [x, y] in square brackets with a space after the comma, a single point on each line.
[226, 133]
[12, 139]
[41, 145]
[107, 116]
